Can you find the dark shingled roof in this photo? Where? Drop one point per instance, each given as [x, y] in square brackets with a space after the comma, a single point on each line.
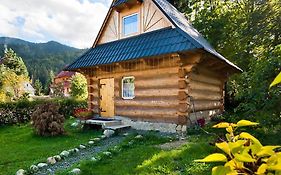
[118, 2]
[163, 41]
[183, 37]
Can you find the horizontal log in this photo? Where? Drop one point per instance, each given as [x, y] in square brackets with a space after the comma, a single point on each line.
[205, 79]
[182, 95]
[142, 73]
[147, 103]
[205, 95]
[205, 105]
[156, 92]
[145, 112]
[197, 85]
[170, 81]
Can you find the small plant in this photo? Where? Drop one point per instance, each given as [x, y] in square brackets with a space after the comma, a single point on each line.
[243, 153]
[83, 113]
[47, 121]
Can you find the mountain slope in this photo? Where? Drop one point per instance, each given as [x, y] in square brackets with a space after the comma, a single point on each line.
[41, 58]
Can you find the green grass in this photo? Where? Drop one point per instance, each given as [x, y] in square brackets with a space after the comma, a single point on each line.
[144, 157]
[20, 147]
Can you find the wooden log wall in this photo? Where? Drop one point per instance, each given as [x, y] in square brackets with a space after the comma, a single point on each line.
[166, 89]
[206, 90]
[160, 89]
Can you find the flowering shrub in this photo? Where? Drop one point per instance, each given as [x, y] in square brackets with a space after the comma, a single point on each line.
[243, 153]
[83, 113]
[47, 121]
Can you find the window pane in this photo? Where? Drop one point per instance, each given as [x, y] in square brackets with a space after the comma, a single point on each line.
[130, 24]
[128, 88]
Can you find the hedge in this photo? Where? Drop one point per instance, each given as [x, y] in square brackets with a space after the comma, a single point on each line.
[20, 112]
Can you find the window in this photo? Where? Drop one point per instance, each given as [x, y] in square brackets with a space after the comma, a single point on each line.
[130, 24]
[128, 87]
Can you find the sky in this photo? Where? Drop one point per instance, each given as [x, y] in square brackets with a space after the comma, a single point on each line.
[71, 22]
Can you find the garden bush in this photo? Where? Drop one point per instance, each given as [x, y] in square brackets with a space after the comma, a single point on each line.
[20, 112]
[47, 121]
[243, 153]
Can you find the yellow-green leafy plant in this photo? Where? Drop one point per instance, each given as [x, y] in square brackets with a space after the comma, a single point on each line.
[243, 153]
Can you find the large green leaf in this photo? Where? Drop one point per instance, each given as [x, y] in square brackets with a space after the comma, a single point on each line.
[276, 81]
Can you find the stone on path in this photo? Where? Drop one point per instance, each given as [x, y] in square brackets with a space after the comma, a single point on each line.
[41, 165]
[64, 154]
[75, 171]
[139, 137]
[51, 160]
[82, 146]
[108, 133]
[33, 168]
[20, 172]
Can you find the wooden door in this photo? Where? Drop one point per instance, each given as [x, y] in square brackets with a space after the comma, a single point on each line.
[107, 97]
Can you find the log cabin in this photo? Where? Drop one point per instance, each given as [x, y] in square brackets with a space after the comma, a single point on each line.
[148, 63]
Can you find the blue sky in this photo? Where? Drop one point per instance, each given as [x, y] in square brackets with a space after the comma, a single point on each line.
[71, 22]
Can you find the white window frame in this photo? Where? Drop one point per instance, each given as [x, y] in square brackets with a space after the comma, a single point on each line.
[123, 24]
[127, 98]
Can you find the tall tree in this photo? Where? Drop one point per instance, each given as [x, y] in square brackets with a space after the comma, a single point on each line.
[14, 62]
[38, 87]
[79, 86]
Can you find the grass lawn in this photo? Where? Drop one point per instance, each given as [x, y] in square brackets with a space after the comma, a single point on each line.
[145, 157]
[20, 148]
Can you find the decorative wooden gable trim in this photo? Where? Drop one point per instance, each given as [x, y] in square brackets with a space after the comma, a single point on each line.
[150, 18]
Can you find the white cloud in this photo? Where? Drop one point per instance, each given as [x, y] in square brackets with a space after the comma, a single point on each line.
[72, 22]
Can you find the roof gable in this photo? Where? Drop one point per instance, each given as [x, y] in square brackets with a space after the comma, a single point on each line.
[150, 18]
[150, 44]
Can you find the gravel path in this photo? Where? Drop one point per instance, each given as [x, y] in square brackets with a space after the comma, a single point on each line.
[84, 154]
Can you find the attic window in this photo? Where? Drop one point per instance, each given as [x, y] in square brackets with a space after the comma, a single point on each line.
[128, 87]
[130, 24]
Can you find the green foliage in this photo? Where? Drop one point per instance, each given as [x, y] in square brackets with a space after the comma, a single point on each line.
[243, 153]
[14, 63]
[248, 34]
[38, 87]
[79, 86]
[20, 111]
[13, 74]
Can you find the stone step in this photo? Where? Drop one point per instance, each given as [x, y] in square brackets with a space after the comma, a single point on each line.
[112, 123]
[118, 127]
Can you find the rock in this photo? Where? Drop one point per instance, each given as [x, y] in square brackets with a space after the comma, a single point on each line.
[139, 137]
[96, 139]
[94, 159]
[75, 124]
[57, 157]
[91, 142]
[103, 137]
[107, 153]
[82, 146]
[108, 133]
[33, 168]
[75, 171]
[131, 142]
[71, 151]
[64, 154]
[76, 150]
[125, 134]
[51, 160]
[20, 172]
[42, 165]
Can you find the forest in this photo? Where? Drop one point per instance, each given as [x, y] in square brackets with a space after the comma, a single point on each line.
[248, 33]
[41, 59]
